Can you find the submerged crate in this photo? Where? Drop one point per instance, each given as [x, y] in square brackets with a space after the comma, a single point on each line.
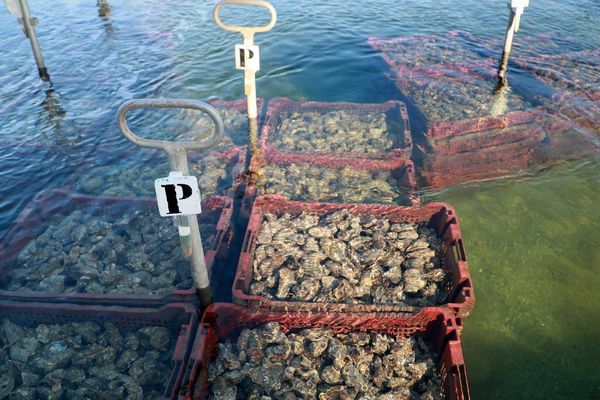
[424, 51]
[180, 319]
[342, 130]
[438, 216]
[575, 71]
[225, 321]
[309, 177]
[493, 147]
[132, 173]
[73, 273]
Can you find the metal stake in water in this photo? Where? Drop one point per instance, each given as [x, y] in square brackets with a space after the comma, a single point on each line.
[20, 9]
[247, 57]
[516, 8]
[187, 225]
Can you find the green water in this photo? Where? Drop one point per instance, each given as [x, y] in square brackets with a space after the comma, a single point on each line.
[534, 252]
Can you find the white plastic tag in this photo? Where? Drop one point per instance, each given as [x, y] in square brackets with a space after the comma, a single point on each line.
[177, 195]
[247, 57]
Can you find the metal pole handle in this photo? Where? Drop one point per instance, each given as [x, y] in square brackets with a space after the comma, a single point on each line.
[246, 31]
[170, 103]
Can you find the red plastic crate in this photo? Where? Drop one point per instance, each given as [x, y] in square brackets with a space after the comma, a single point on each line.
[465, 48]
[576, 71]
[439, 216]
[396, 114]
[33, 221]
[520, 143]
[234, 159]
[223, 321]
[402, 169]
[181, 319]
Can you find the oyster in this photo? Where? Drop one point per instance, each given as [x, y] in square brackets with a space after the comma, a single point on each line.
[83, 360]
[307, 182]
[323, 365]
[137, 252]
[349, 259]
[360, 130]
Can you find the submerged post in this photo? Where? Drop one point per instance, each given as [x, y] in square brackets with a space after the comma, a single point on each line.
[247, 57]
[184, 214]
[515, 9]
[20, 9]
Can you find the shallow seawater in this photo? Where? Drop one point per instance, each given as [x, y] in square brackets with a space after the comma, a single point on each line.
[534, 250]
[532, 242]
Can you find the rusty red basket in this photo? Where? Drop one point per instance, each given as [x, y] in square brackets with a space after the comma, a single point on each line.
[34, 220]
[104, 176]
[422, 51]
[395, 113]
[492, 147]
[181, 319]
[402, 171]
[440, 332]
[439, 216]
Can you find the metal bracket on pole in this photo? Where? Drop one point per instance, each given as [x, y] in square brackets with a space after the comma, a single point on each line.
[177, 152]
[247, 55]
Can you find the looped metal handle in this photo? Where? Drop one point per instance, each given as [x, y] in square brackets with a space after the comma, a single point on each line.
[246, 30]
[205, 143]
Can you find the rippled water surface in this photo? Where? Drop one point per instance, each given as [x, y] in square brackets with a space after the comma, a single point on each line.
[533, 242]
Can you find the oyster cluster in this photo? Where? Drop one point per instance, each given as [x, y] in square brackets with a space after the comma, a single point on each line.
[136, 179]
[83, 360]
[314, 183]
[136, 253]
[338, 131]
[345, 258]
[453, 101]
[316, 363]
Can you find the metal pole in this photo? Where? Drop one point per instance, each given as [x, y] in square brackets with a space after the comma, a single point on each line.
[30, 32]
[510, 31]
[179, 162]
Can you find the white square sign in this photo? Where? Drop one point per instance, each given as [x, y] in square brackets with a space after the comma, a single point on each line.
[247, 57]
[177, 195]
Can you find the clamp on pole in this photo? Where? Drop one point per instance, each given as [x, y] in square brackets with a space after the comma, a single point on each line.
[187, 225]
[247, 55]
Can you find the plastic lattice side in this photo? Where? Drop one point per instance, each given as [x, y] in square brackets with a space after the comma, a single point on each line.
[438, 216]
[343, 130]
[492, 147]
[306, 177]
[225, 321]
[181, 320]
[132, 173]
[45, 214]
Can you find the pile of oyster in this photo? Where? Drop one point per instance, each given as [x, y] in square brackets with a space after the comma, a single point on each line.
[136, 179]
[453, 101]
[339, 131]
[235, 125]
[427, 50]
[315, 363]
[83, 360]
[345, 258]
[308, 182]
[135, 253]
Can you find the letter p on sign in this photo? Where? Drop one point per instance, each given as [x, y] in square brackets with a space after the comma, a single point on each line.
[177, 195]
